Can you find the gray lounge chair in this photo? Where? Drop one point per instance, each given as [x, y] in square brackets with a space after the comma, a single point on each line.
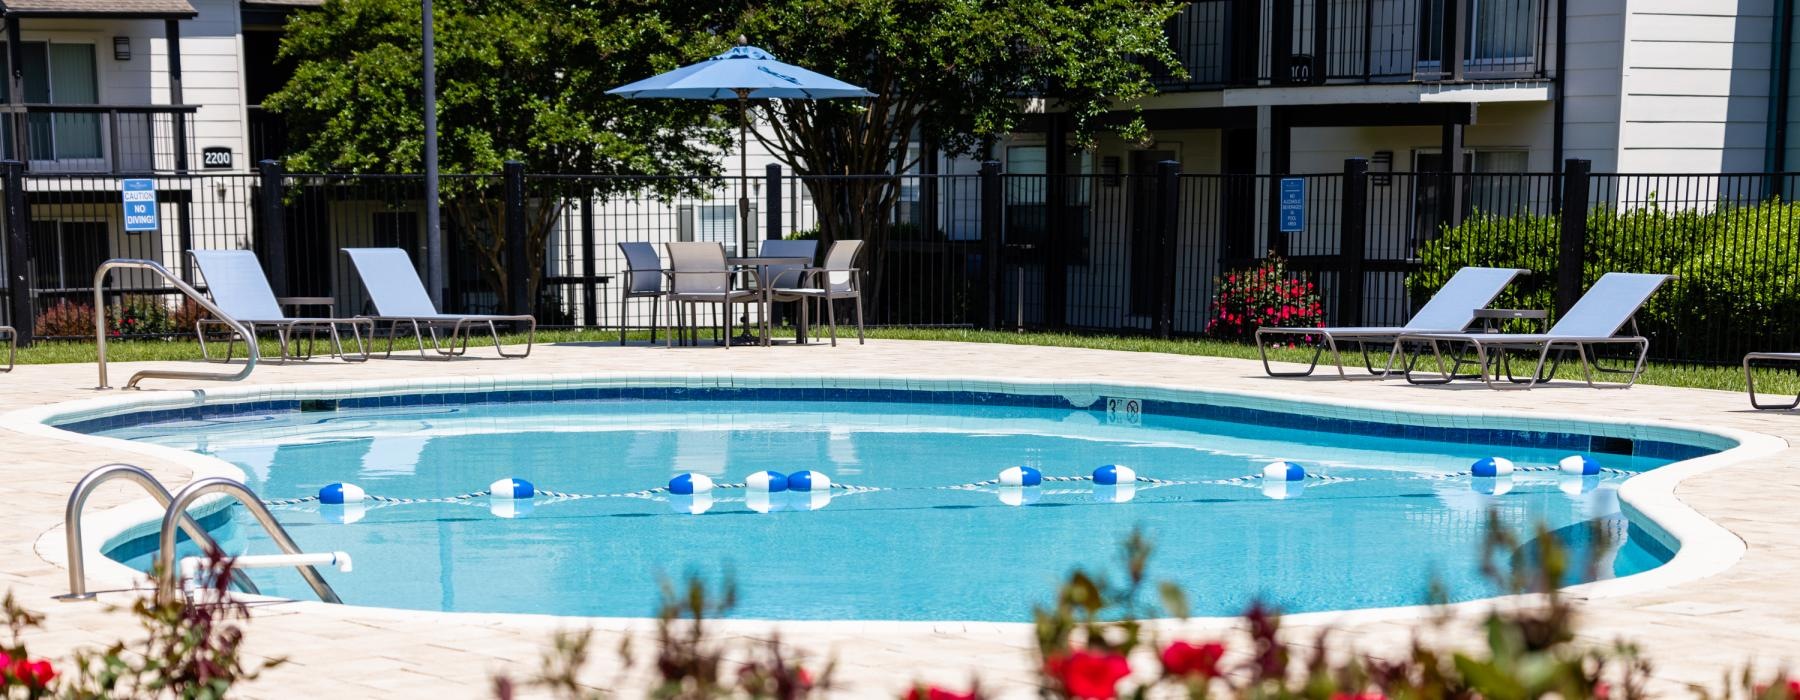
[1595, 321]
[12, 346]
[838, 278]
[236, 282]
[1750, 380]
[1451, 310]
[400, 298]
[698, 274]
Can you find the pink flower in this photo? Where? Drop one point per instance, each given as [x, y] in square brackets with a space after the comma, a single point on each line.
[1184, 659]
[1088, 675]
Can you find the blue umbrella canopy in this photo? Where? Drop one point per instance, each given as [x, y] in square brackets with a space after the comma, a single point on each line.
[744, 72]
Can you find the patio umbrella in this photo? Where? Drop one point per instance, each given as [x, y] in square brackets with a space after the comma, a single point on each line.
[745, 72]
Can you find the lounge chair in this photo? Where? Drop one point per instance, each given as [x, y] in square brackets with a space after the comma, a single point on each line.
[1451, 310]
[238, 287]
[698, 274]
[400, 298]
[1750, 380]
[1595, 321]
[12, 346]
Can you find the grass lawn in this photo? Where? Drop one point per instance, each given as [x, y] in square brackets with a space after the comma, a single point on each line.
[1728, 378]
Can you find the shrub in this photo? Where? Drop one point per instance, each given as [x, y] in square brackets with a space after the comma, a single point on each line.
[66, 319]
[140, 315]
[1266, 295]
[186, 316]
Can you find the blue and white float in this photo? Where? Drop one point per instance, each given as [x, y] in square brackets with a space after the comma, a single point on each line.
[1021, 476]
[340, 494]
[1496, 486]
[1488, 467]
[1283, 471]
[1115, 493]
[1579, 465]
[691, 503]
[805, 481]
[766, 482]
[511, 489]
[690, 484]
[809, 500]
[1114, 475]
[763, 501]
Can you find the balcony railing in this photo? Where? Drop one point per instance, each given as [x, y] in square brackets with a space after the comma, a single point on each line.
[100, 139]
[268, 135]
[1248, 43]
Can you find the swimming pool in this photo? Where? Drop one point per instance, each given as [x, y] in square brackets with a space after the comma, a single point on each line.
[1386, 508]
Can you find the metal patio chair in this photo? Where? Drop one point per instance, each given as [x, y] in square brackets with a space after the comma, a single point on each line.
[400, 299]
[237, 285]
[837, 279]
[645, 278]
[698, 274]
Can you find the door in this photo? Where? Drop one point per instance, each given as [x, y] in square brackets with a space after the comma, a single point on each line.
[1144, 253]
[63, 74]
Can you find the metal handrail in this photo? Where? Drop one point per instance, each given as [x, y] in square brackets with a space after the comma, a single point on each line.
[78, 501]
[169, 581]
[153, 266]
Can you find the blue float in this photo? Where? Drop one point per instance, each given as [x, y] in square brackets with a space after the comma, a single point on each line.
[1021, 476]
[808, 481]
[1114, 475]
[514, 489]
[1579, 465]
[340, 494]
[1283, 471]
[1491, 467]
[689, 484]
[766, 482]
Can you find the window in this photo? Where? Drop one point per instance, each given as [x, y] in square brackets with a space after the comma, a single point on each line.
[64, 254]
[1027, 198]
[1487, 188]
[1499, 32]
[719, 223]
[57, 73]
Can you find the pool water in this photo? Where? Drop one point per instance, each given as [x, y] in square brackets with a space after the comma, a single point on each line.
[904, 545]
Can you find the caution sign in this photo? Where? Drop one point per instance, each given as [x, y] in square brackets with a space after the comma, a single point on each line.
[140, 204]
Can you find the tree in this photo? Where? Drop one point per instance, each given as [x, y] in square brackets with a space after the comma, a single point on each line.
[518, 80]
[957, 73]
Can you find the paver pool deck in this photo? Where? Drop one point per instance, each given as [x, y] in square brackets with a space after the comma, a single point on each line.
[1693, 631]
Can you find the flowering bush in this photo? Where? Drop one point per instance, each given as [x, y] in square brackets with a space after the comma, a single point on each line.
[66, 319]
[139, 315]
[1266, 295]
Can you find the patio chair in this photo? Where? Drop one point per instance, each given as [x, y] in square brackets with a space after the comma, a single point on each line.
[237, 285]
[789, 275]
[1451, 310]
[12, 346]
[698, 274]
[400, 298]
[644, 279]
[1750, 380]
[1595, 321]
[837, 279]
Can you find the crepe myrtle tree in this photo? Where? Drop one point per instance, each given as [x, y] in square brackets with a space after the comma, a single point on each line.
[957, 73]
[518, 80]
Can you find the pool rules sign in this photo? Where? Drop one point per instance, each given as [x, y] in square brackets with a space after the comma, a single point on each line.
[140, 204]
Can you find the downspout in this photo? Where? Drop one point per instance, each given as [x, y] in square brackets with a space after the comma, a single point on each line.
[1781, 63]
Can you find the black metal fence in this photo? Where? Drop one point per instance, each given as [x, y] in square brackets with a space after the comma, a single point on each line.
[1136, 253]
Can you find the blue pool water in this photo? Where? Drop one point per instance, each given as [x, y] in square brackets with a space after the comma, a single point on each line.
[904, 547]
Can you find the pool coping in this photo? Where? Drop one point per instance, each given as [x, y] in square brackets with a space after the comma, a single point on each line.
[1702, 547]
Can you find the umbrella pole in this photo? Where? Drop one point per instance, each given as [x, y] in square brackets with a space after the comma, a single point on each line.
[744, 171]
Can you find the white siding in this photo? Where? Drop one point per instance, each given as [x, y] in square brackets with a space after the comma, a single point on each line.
[1695, 86]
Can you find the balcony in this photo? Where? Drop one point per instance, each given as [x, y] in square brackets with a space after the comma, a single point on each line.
[99, 139]
[1251, 43]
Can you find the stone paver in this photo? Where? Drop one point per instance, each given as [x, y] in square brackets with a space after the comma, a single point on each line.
[1749, 611]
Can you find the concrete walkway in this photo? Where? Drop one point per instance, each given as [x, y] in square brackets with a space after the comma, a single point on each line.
[1694, 631]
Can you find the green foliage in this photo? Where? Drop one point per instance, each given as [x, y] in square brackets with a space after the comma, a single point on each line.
[1735, 266]
[518, 80]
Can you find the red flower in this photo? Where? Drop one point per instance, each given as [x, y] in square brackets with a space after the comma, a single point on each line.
[1602, 691]
[805, 679]
[35, 675]
[935, 693]
[1184, 659]
[1089, 675]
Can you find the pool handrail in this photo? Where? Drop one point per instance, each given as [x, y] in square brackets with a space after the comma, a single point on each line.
[169, 578]
[78, 502]
[255, 353]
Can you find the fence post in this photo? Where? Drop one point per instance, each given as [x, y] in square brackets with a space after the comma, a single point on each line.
[1353, 236]
[273, 224]
[1572, 247]
[1168, 221]
[993, 202]
[590, 293]
[772, 201]
[517, 290]
[18, 251]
